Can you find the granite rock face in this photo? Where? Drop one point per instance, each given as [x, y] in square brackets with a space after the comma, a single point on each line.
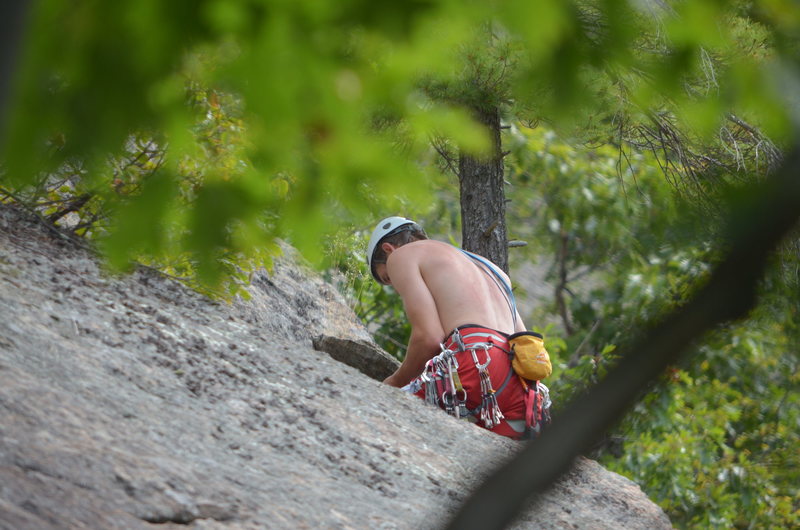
[129, 402]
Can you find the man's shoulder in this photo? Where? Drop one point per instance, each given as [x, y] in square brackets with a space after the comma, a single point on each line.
[425, 247]
[421, 251]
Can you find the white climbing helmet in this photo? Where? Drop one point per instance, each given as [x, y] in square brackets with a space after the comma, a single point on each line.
[383, 229]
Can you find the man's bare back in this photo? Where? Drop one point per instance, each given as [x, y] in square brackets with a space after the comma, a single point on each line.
[441, 289]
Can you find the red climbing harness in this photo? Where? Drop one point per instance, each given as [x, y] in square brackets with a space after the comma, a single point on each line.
[472, 378]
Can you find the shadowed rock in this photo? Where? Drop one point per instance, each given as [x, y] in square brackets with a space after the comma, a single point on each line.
[365, 356]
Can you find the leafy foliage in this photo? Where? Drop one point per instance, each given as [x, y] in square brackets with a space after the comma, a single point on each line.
[717, 442]
[714, 442]
[315, 112]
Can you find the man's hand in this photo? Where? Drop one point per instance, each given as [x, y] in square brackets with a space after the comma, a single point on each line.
[392, 380]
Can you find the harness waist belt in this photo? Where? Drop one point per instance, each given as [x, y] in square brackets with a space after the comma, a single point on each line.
[468, 333]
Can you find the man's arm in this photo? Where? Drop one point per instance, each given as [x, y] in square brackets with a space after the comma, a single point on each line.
[426, 328]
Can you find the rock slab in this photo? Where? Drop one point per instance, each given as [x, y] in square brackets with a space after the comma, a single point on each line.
[130, 402]
[365, 356]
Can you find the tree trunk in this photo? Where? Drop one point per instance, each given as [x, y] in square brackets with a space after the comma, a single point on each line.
[483, 197]
[13, 18]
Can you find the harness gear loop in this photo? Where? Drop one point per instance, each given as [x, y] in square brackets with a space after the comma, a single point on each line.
[490, 413]
[446, 388]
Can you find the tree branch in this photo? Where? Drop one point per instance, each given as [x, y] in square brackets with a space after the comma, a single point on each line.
[73, 206]
[561, 303]
[576, 355]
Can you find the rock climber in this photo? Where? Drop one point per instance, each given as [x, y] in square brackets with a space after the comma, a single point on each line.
[461, 317]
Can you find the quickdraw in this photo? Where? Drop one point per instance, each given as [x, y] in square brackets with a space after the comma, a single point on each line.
[490, 411]
[537, 408]
[443, 385]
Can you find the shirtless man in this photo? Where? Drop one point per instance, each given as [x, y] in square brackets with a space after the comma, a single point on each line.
[454, 303]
